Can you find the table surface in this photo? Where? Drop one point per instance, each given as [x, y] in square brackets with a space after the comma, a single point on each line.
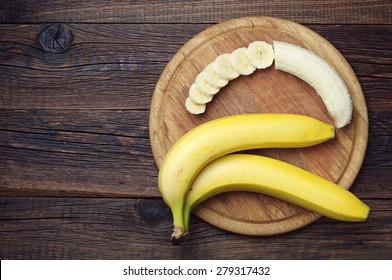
[77, 175]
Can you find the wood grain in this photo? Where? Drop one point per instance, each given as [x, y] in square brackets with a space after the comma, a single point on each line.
[107, 153]
[73, 116]
[22, 69]
[22, 64]
[265, 91]
[118, 59]
[102, 228]
[183, 11]
[34, 72]
[85, 153]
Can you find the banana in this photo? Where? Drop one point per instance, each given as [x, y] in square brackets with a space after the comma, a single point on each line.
[197, 97]
[213, 78]
[226, 67]
[207, 84]
[293, 59]
[242, 172]
[203, 86]
[223, 67]
[193, 107]
[225, 135]
[320, 75]
[260, 54]
[240, 61]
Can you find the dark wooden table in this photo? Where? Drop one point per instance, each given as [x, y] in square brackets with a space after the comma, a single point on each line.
[77, 176]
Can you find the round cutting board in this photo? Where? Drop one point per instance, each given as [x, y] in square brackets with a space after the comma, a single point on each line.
[264, 91]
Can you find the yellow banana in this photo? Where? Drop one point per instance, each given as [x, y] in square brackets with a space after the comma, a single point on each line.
[242, 172]
[225, 135]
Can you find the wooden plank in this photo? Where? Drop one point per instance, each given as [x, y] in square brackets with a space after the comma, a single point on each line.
[368, 55]
[180, 11]
[89, 77]
[82, 228]
[107, 153]
[377, 95]
[74, 152]
[114, 66]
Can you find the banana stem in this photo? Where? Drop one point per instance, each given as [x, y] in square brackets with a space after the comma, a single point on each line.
[179, 232]
[178, 236]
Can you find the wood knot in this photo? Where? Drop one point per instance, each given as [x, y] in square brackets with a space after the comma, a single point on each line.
[153, 211]
[55, 38]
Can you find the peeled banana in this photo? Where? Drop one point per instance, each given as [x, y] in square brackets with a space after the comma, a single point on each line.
[243, 172]
[320, 75]
[225, 135]
[290, 58]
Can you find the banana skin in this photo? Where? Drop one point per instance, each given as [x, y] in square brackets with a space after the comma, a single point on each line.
[225, 135]
[253, 173]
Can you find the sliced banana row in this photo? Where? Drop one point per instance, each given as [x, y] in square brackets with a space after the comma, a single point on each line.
[226, 67]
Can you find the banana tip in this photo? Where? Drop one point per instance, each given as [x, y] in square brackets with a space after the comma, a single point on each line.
[366, 215]
[332, 128]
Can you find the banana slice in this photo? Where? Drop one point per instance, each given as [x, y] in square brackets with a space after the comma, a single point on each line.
[260, 54]
[203, 86]
[226, 67]
[223, 67]
[197, 97]
[213, 78]
[240, 61]
[194, 108]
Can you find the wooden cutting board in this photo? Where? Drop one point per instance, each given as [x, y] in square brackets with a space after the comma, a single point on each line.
[265, 91]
